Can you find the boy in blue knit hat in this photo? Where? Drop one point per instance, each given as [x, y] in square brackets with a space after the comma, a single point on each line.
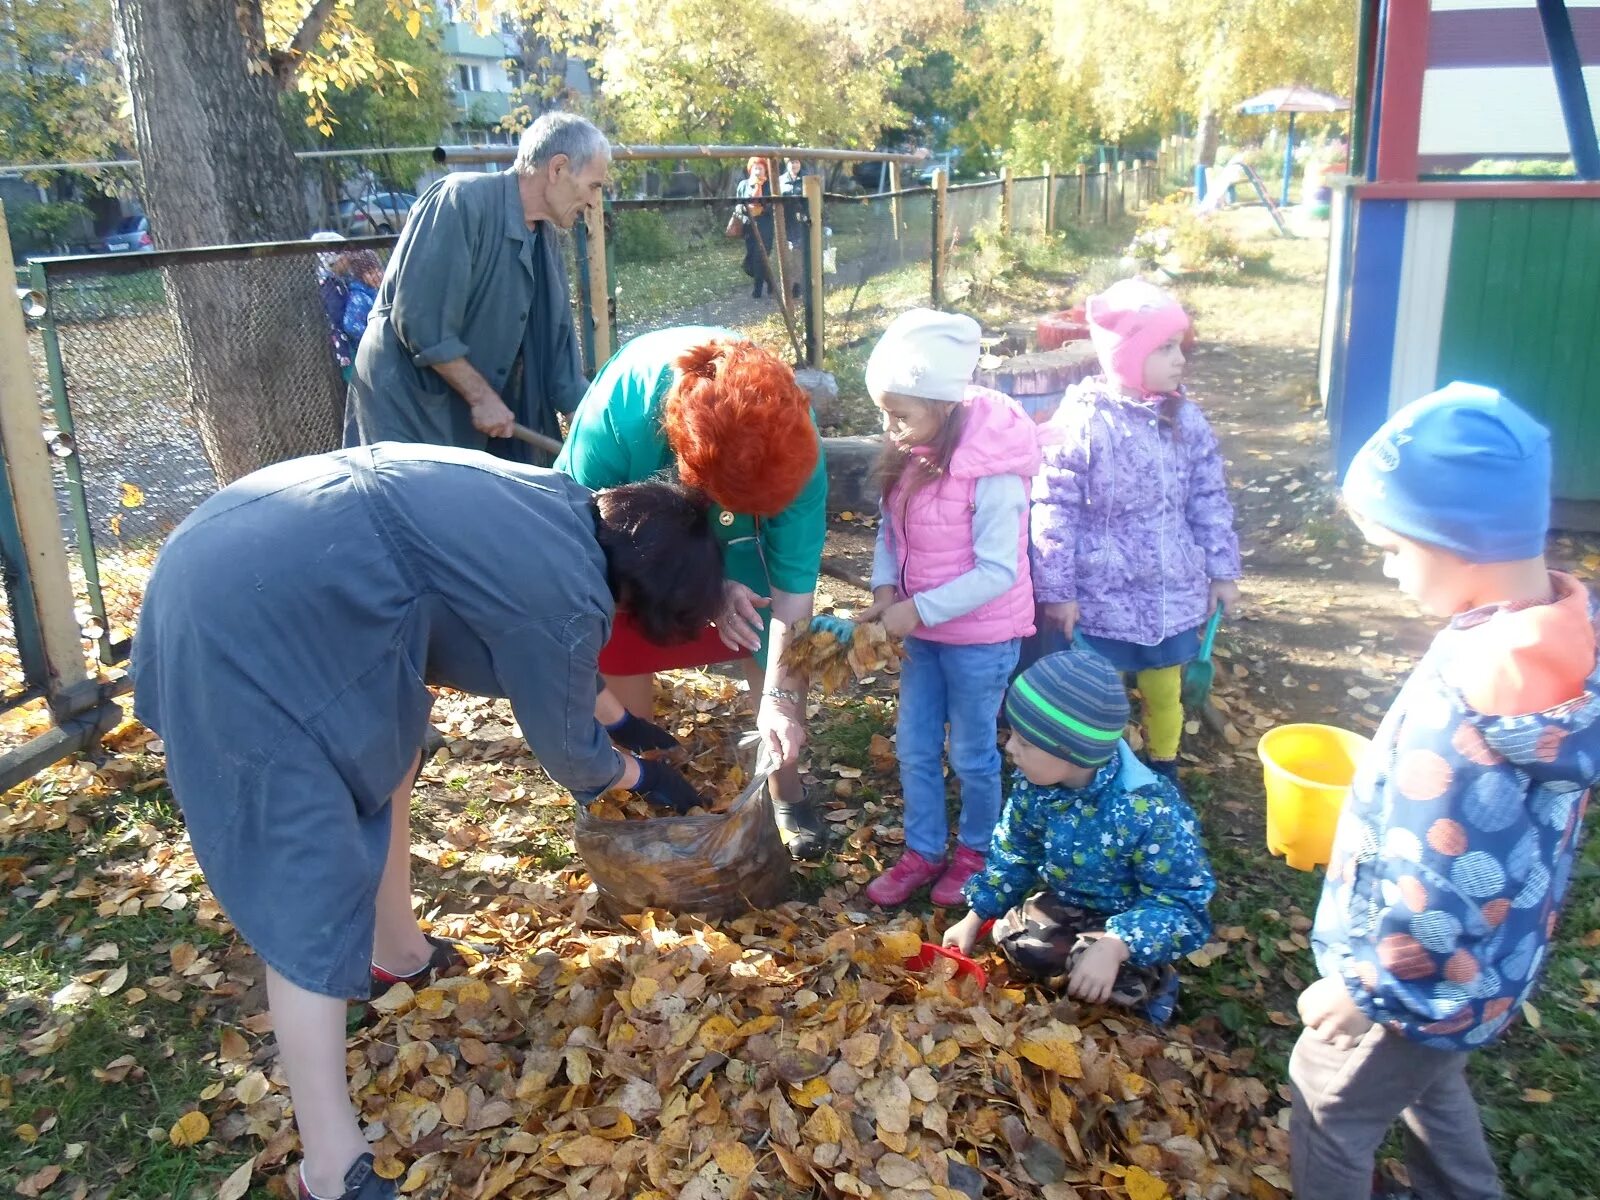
[1456, 844]
[1096, 878]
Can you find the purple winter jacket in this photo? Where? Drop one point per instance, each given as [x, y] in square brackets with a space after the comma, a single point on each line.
[1131, 516]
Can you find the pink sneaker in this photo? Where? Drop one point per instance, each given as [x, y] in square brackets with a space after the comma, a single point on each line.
[963, 866]
[895, 886]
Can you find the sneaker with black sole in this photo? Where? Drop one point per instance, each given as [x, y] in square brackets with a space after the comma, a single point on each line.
[361, 1182]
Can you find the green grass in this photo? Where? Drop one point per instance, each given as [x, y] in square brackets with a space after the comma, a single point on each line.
[1544, 1150]
[104, 1130]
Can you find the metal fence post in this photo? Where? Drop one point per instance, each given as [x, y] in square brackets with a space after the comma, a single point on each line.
[1105, 193]
[941, 183]
[599, 289]
[1083, 188]
[1007, 195]
[1049, 199]
[816, 341]
[29, 473]
[88, 557]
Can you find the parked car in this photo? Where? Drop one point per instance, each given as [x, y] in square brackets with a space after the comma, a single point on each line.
[131, 235]
[378, 212]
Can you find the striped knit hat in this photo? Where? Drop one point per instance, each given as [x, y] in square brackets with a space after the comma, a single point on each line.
[1072, 705]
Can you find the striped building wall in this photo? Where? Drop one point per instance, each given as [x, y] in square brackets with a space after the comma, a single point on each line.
[1499, 291]
[1488, 91]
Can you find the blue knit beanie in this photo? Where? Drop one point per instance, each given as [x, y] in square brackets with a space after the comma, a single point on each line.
[1072, 705]
[1463, 469]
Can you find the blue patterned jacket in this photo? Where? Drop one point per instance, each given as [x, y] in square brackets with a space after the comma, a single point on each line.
[1126, 847]
[1456, 845]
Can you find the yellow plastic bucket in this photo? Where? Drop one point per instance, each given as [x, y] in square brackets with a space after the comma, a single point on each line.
[1308, 769]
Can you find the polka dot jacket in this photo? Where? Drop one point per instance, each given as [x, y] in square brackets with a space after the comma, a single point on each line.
[1455, 850]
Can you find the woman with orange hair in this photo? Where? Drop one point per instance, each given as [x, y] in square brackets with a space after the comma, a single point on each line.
[728, 418]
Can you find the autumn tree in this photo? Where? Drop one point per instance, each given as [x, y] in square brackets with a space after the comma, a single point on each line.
[61, 97]
[747, 71]
[1138, 63]
[218, 169]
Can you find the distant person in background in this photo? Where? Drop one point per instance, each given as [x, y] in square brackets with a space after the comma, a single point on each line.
[472, 329]
[333, 286]
[757, 223]
[795, 220]
[364, 270]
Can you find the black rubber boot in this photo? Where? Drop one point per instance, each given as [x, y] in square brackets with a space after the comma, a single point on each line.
[804, 833]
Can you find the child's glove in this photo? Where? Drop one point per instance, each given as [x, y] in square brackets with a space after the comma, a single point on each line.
[638, 735]
[841, 628]
[661, 784]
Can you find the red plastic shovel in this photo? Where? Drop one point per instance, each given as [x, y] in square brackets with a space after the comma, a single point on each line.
[965, 963]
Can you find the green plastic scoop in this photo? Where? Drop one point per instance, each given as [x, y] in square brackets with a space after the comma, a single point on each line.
[1200, 674]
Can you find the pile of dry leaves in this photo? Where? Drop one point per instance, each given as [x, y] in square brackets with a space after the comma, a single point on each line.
[786, 1051]
[820, 655]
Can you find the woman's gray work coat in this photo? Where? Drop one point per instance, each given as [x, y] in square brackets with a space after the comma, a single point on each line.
[287, 638]
[468, 279]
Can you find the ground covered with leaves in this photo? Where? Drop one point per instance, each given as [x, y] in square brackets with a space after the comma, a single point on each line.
[789, 1052]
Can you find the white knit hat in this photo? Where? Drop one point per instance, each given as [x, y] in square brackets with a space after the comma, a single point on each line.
[927, 354]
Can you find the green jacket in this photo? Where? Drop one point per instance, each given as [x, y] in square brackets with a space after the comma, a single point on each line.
[617, 437]
[468, 279]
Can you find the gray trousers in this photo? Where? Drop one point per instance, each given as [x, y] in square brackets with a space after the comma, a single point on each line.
[1345, 1100]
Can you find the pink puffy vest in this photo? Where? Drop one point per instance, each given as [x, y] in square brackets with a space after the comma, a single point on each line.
[933, 531]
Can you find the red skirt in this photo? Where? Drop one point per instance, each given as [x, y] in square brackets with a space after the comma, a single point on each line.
[630, 653]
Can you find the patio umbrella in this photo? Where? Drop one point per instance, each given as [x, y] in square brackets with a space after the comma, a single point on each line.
[1291, 100]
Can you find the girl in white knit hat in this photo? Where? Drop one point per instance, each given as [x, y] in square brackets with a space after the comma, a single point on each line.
[950, 575]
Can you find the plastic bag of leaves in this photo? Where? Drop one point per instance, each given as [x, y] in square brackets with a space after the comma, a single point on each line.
[716, 864]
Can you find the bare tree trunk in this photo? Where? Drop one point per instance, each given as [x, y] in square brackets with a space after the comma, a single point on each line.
[1206, 137]
[218, 170]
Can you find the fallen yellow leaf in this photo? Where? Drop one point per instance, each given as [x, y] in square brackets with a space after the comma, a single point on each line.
[189, 1129]
[1142, 1185]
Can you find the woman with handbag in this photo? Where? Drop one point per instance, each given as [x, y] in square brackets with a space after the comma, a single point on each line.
[757, 219]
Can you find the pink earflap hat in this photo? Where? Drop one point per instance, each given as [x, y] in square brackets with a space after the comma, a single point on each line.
[1127, 322]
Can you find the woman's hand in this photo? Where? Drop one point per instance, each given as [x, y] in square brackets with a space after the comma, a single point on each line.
[1063, 615]
[782, 729]
[1330, 1013]
[902, 618]
[882, 598]
[963, 935]
[1095, 974]
[739, 624]
[1226, 593]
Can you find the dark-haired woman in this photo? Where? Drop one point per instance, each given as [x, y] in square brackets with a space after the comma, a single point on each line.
[725, 416]
[288, 635]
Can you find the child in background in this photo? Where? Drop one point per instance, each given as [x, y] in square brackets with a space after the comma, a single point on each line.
[1096, 877]
[1456, 844]
[950, 575]
[1133, 539]
[365, 273]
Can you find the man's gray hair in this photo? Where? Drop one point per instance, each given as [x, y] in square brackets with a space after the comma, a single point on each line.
[559, 133]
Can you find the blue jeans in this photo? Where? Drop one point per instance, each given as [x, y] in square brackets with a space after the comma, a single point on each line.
[963, 686]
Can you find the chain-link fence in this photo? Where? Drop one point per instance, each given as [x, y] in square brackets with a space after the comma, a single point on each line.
[693, 262]
[1029, 196]
[170, 374]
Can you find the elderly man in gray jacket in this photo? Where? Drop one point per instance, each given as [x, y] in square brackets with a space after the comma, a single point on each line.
[472, 329]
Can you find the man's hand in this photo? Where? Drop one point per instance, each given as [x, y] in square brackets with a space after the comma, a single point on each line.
[902, 619]
[1095, 974]
[1062, 615]
[491, 417]
[963, 935]
[1226, 593]
[739, 624]
[1330, 1013]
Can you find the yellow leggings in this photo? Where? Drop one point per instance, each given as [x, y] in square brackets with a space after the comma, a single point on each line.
[1163, 710]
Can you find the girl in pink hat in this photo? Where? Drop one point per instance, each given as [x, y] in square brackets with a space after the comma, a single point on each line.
[1133, 545]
